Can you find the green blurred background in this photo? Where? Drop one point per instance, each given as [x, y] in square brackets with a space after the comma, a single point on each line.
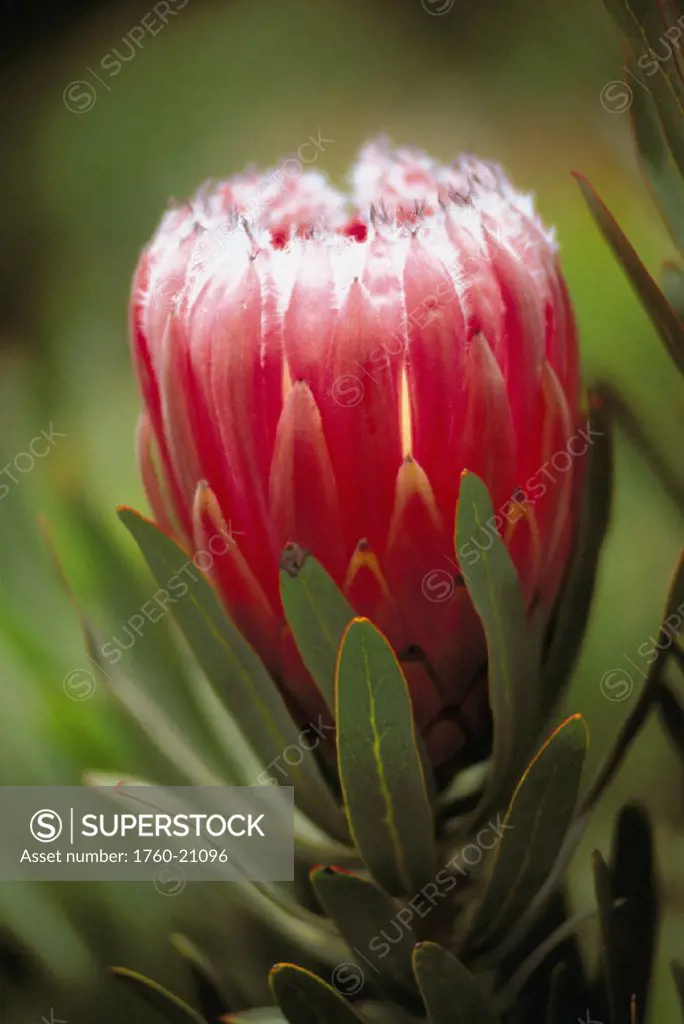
[219, 86]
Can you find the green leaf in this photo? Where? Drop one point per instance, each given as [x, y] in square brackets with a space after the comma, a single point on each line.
[380, 766]
[233, 668]
[367, 918]
[660, 173]
[318, 614]
[664, 318]
[648, 695]
[635, 892]
[574, 607]
[179, 747]
[494, 587]
[643, 23]
[170, 1006]
[677, 970]
[166, 734]
[154, 659]
[672, 283]
[125, 594]
[567, 930]
[305, 999]
[309, 933]
[449, 991]
[212, 996]
[672, 716]
[533, 831]
[617, 985]
[558, 995]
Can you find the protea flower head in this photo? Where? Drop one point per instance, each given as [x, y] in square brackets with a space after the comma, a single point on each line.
[318, 369]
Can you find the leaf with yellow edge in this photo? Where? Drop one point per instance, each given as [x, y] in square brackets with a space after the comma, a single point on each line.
[533, 830]
[381, 770]
[305, 998]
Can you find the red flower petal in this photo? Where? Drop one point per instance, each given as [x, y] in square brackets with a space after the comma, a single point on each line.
[487, 444]
[303, 499]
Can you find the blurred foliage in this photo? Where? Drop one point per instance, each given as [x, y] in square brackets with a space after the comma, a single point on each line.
[221, 85]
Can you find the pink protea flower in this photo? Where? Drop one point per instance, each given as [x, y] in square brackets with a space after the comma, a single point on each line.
[319, 370]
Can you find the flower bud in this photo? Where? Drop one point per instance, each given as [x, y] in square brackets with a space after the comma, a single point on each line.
[318, 370]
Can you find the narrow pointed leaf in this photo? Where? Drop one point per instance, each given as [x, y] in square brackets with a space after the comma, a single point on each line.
[672, 716]
[664, 318]
[677, 970]
[171, 1007]
[380, 766]
[233, 667]
[672, 283]
[144, 652]
[670, 630]
[643, 26]
[634, 889]
[572, 615]
[174, 744]
[449, 991]
[533, 830]
[557, 995]
[663, 179]
[305, 998]
[493, 585]
[366, 918]
[212, 998]
[318, 614]
[310, 933]
[159, 704]
[567, 930]
[648, 695]
[609, 939]
[166, 734]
